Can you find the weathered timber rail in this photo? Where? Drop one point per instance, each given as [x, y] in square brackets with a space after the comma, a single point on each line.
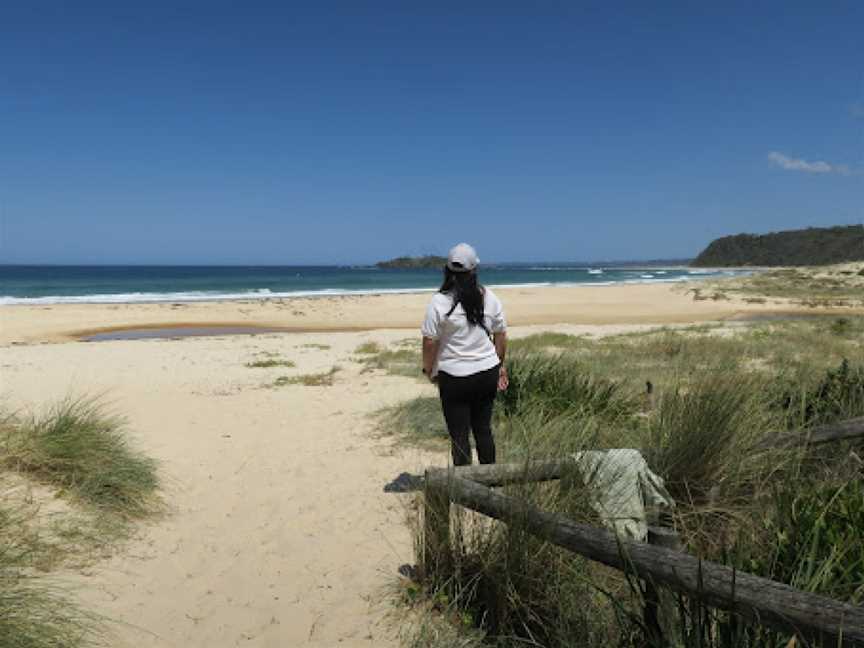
[753, 598]
[503, 474]
[845, 431]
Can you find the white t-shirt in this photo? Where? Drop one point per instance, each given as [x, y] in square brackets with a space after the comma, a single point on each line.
[463, 349]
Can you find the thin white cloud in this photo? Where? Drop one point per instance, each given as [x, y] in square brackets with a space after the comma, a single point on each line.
[800, 164]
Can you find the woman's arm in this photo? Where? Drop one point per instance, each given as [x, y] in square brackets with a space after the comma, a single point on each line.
[430, 355]
[500, 341]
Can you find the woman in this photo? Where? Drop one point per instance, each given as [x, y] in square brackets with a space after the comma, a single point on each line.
[464, 343]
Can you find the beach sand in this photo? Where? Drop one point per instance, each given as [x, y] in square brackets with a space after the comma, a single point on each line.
[622, 304]
[279, 531]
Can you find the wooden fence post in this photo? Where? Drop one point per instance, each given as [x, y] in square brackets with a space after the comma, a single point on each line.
[668, 539]
[436, 523]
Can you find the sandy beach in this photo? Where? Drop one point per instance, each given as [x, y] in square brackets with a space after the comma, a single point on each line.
[279, 531]
[593, 305]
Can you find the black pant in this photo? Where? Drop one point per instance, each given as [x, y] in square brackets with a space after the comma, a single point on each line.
[467, 403]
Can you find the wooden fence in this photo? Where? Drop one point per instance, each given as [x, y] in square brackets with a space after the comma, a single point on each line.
[761, 600]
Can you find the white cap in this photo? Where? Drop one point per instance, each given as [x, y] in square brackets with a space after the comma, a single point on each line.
[462, 258]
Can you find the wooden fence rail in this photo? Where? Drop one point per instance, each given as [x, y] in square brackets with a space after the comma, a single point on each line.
[761, 600]
[845, 431]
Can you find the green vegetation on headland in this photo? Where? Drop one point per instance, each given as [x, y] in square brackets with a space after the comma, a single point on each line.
[75, 457]
[409, 262]
[788, 514]
[812, 246]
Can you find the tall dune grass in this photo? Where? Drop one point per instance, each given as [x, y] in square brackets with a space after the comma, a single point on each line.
[700, 437]
[79, 448]
[559, 384]
[81, 452]
[34, 611]
[787, 514]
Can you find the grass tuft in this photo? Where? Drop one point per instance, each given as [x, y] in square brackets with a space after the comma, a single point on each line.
[270, 362]
[79, 450]
[368, 348]
[34, 611]
[560, 384]
[418, 420]
[545, 341]
[323, 379]
[402, 361]
[82, 450]
[700, 436]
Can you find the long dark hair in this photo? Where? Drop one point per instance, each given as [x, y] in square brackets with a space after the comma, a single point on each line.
[466, 290]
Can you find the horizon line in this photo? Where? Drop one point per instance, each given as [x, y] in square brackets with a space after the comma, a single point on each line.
[336, 265]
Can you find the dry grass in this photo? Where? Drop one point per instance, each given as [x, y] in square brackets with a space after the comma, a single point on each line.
[369, 348]
[825, 286]
[404, 360]
[322, 379]
[269, 363]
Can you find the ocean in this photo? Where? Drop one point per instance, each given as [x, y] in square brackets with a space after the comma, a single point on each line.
[129, 284]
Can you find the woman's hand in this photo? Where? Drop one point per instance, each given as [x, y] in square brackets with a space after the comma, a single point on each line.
[503, 380]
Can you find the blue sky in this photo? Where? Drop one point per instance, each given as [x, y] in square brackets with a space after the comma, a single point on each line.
[348, 132]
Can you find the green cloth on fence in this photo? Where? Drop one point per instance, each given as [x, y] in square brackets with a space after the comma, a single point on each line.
[625, 493]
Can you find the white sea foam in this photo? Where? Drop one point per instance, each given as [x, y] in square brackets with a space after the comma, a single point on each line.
[533, 284]
[655, 280]
[636, 277]
[593, 271]
[151, 298]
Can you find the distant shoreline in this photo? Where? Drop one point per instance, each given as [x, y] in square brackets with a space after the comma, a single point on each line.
[84, 285]
[585, 304]
[252, 297]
